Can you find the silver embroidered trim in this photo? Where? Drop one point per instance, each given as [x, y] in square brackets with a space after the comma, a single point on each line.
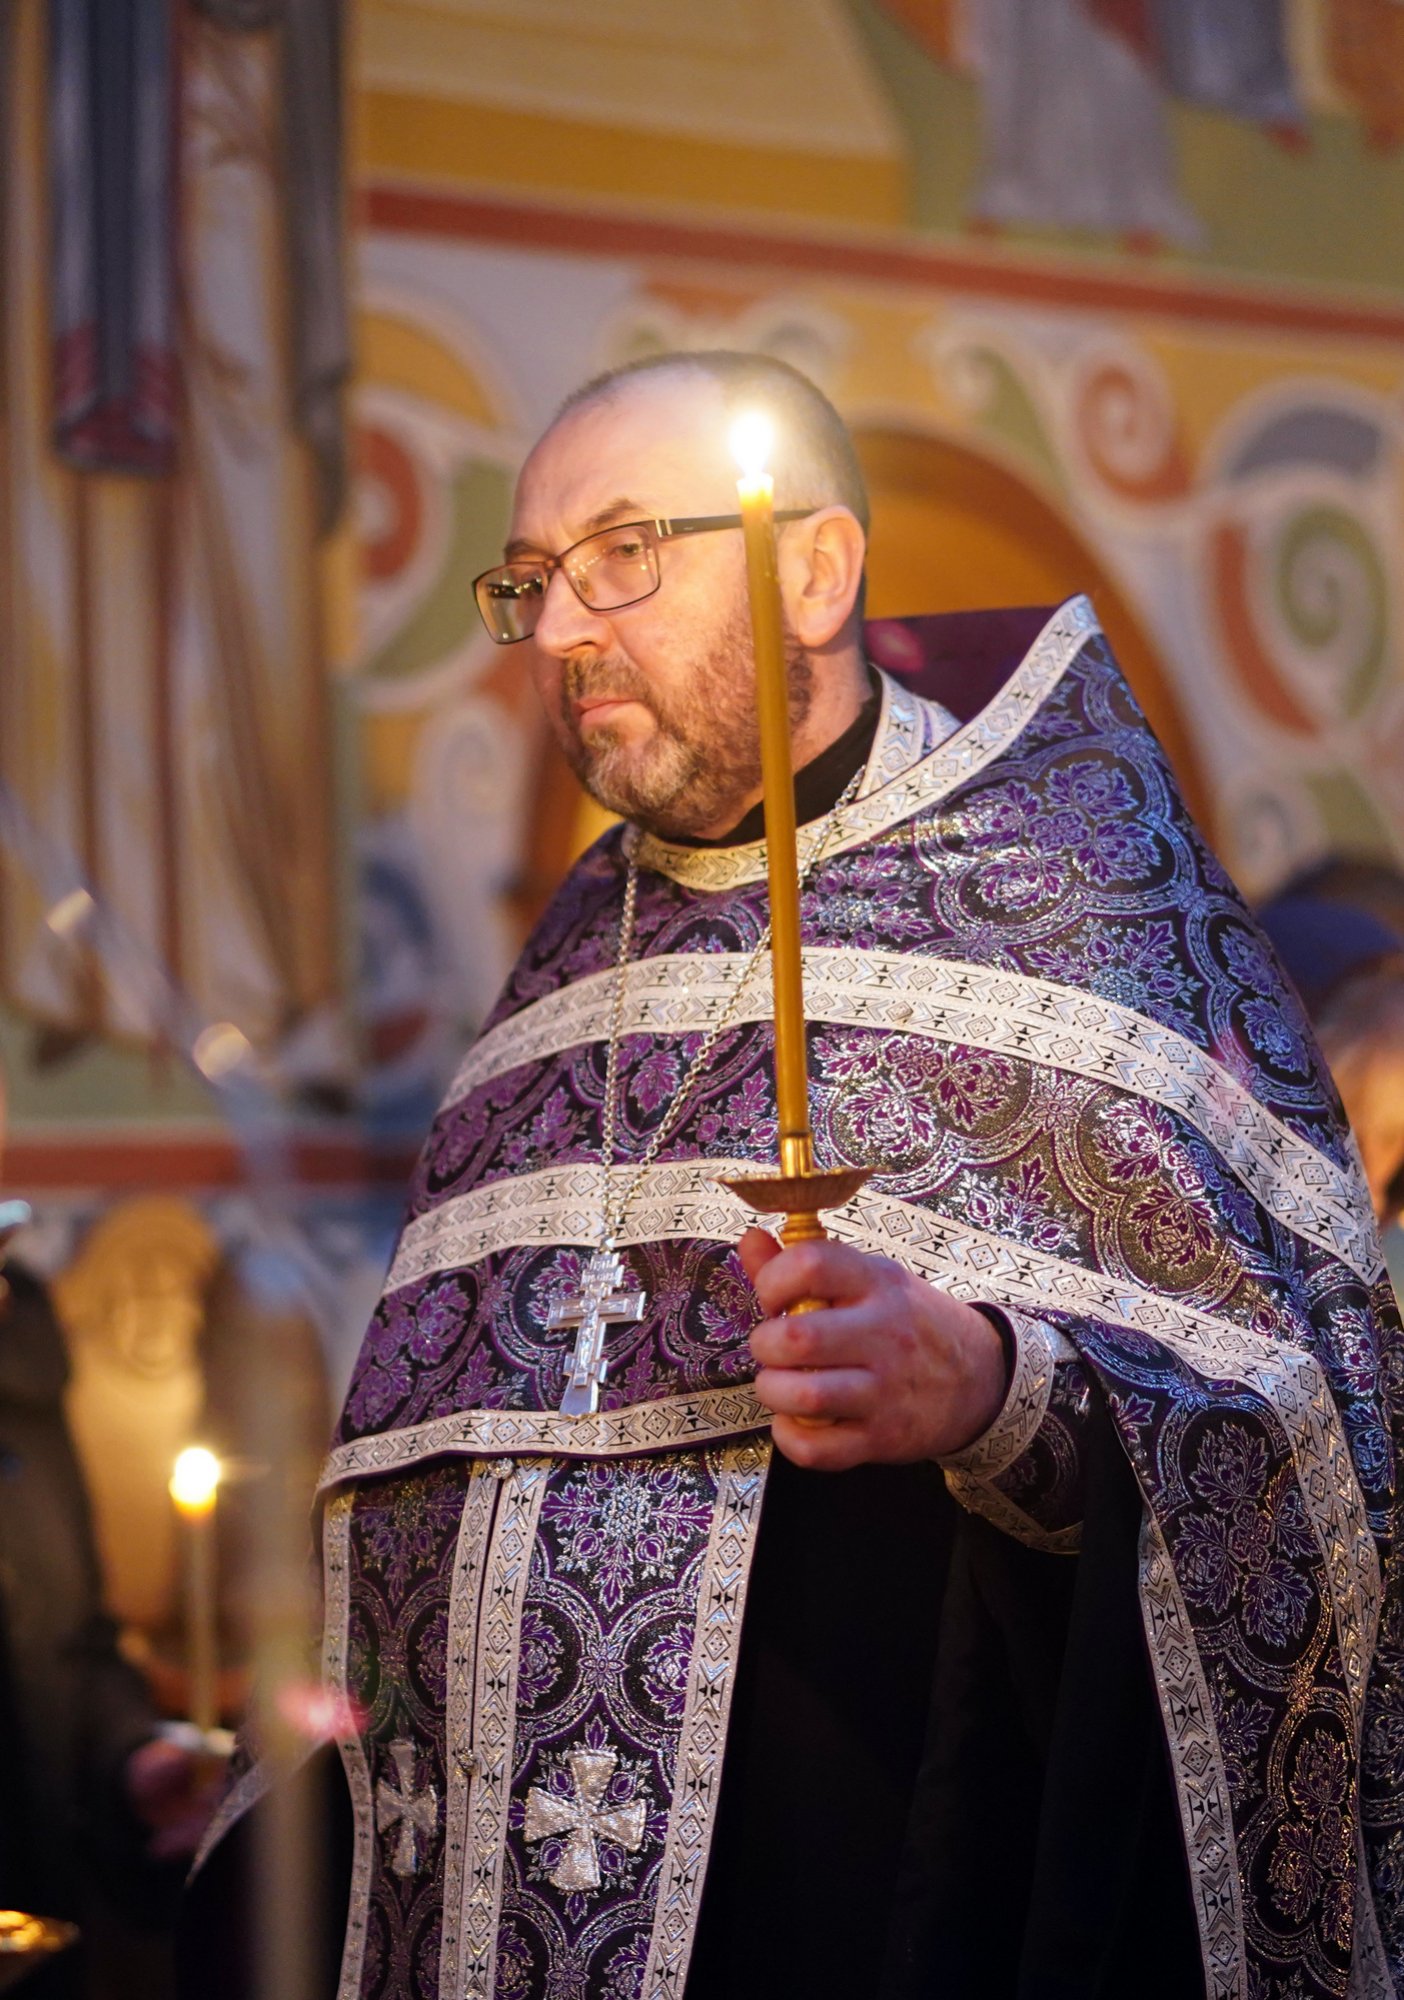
[241, 1797]
[702, 1741]
[336, 1567]
[887, 805]
[1037, 1351]
[680, 1200]
[897, 740]
[1007, 1013]
[999, 1510]
[1370, 1977]
[495, 1722]
[562, 1205]
[672, 1423]
[465, 1594]
[1201, 1780]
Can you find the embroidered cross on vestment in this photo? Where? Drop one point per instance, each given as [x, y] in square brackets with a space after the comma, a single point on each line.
[597, 1302]
[415, 1813]
[584, 1819]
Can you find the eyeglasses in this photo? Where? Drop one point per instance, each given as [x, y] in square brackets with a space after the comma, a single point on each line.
[607, 571]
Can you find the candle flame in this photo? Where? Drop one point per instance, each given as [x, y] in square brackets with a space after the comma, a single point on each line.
[752, 435]
[195, 1478]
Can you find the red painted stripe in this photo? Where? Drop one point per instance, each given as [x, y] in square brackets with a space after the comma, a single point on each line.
[491, 218]
[188, 1165]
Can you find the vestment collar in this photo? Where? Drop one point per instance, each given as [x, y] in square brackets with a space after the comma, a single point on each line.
[918, 753]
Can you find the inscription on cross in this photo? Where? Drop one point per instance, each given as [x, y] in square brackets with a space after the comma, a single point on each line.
[415, 1814]
[596, 1303]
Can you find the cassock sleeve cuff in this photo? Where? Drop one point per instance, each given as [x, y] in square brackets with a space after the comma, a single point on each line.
[1037, 1350]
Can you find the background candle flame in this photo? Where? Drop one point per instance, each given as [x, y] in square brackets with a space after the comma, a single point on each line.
[752, 435]
[195, 1478]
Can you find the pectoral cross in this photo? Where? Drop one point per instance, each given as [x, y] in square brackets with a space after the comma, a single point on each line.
[596, 1303]
[584, 1819]
[416, 1814]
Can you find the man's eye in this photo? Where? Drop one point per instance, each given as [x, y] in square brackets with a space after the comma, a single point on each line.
[625, 548]
[513, 587]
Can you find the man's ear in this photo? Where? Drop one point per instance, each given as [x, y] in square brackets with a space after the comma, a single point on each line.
[821, 574]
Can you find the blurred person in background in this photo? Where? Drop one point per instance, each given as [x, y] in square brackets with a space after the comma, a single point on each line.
[1339, 930]
[98, 1813]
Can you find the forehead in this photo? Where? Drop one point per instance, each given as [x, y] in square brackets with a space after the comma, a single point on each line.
[659, 442]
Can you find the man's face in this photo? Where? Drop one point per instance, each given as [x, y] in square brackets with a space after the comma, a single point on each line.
[654, 704]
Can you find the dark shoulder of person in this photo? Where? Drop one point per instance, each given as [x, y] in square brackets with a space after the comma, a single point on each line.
[33, 1358]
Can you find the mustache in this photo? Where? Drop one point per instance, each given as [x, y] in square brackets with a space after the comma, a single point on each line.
[618, 680]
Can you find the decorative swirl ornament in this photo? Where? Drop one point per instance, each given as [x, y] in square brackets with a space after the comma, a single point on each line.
[1332, 597]
[1304, 608]
[1126, 424]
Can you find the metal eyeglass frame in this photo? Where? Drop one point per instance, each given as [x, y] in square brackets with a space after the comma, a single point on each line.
[658, 530]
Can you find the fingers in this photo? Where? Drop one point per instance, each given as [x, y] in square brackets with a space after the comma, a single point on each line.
[821, 1339]
[756, 1249]
[833, 1395]
[833, 1271]
[823, 1447]
[821, 1415]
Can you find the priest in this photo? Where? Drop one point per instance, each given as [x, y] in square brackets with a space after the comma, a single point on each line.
[1021, 1622]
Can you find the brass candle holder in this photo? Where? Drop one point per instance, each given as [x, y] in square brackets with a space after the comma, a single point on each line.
[799, 1190]
[799, 1198]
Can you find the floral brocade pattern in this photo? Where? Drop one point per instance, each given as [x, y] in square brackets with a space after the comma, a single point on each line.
[1068, 858]
[402, 1542]
[607, 1639]
[1227, 1498]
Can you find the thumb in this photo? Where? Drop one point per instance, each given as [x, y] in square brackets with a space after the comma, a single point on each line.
[755, 1250]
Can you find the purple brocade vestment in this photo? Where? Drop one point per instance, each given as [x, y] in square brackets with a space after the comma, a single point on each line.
[1038, 1006]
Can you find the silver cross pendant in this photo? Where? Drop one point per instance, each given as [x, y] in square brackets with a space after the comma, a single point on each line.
[596, 1303]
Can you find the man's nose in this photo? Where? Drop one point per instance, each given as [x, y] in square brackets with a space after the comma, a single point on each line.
[565, 624]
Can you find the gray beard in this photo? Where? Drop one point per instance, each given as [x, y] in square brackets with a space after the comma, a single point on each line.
[703, 762]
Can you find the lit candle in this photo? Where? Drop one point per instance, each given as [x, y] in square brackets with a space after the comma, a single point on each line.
[751, 438]
[194, 1486]
[799, 1191]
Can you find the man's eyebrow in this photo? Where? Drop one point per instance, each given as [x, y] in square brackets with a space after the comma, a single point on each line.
[617, 510]
[603, 517]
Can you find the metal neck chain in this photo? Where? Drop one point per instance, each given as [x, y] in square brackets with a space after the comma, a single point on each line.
[616, 1207]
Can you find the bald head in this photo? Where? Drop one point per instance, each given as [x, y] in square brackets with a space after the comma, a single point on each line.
[815, 463]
